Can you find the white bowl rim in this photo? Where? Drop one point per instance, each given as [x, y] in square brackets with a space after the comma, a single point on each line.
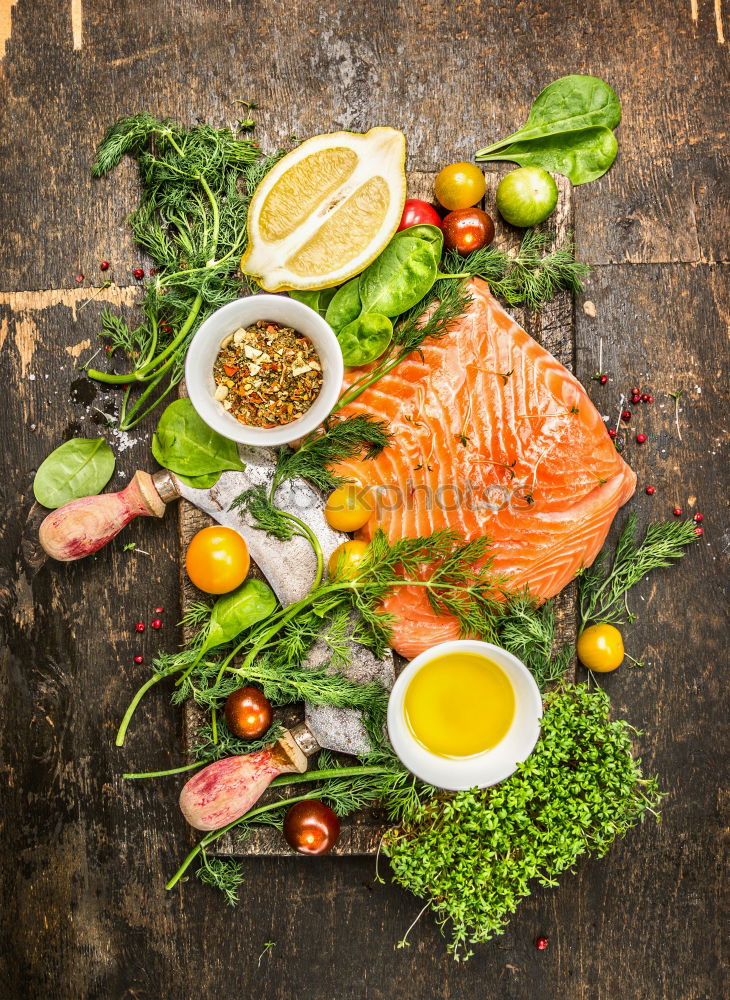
[243, 312]
[480, 770]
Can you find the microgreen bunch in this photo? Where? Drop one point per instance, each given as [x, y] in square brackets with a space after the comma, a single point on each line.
[475, 855]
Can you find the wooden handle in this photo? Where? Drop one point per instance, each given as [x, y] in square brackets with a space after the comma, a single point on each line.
[84, 526]
[225, 790]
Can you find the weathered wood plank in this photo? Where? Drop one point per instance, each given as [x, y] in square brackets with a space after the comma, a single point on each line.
[86, 856]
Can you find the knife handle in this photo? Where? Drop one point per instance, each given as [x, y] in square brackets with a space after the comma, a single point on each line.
[83, 526]
[223, 791]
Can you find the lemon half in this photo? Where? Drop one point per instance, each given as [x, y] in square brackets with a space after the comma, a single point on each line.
[326, 210]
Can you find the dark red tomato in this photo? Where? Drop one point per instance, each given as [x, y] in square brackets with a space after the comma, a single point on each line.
[248, 713]
[311, 827]
[467, 229]
[418, 213]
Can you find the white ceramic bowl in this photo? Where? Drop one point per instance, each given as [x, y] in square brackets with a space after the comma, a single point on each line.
[479, 770]
[204, 349]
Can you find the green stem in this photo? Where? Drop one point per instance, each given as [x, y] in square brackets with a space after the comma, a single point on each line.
[124, 725]
[164, 774]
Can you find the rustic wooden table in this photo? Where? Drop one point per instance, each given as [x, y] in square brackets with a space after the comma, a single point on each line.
[85, 855]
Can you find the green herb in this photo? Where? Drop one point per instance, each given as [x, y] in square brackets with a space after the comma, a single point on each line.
[403, 273]
[601, 589]
[569, 130]
[78, 468]
[365, 339]
[191, 221]
[342, 440]
[527, 629]
[676, 396]
[475, 855]
[532, 276]
[345, 305]
[319, 299]
[185, 444]
[268, 945]
[224, 873]
[232, 614]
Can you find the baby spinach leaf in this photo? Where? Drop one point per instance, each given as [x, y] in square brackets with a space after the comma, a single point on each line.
[203, 482]
[185, 444]
[566, 130]
[78, 468]
[581, 156]
[317, 299]
[403, 273]
[250, 603]
[365, 339]
[345, 305]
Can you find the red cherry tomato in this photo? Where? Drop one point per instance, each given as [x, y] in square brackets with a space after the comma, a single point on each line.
[248, 713]
[418, 213]
[467, 229]
[311, 827]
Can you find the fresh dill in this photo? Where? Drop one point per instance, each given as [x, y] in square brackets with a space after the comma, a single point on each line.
[358, 436]
[225, 874]
[530, 277]
[601, 589]
[526, 628]
[191, 221]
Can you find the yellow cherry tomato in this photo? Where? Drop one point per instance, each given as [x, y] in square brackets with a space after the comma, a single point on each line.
[217, 560]
[346, 560]
[460, 186]
[348, 508]
[600, 648]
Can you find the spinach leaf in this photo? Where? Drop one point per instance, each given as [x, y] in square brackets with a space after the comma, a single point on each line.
[566, 130]
[345, 305]
[78, 468]
[582, 155]
[403, 273]
[185, 444]
[365, 339]
[317, 299]
[203, 482]
[250, 603]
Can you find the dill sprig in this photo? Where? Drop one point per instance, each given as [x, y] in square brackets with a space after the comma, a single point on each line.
[226, 874]
[527, 629]
[196, 185]
[361, 435]
[601, 589]
[530, 277]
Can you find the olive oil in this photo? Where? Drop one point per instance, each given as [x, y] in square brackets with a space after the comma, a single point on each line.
[459, 705]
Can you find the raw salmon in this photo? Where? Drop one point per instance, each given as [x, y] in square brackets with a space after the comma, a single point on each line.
[491, 436]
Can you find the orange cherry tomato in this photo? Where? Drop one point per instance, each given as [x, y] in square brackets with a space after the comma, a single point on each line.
[467, 230]
[346, 560]
[600, 648]
[217, 560]
[348, 508]
[460, 186]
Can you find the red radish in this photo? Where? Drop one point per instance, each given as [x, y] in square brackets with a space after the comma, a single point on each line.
[223, 791]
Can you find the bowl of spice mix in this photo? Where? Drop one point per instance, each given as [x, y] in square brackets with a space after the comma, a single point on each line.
[264, 370]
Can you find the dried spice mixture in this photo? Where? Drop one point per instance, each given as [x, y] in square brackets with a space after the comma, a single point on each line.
[267, 374]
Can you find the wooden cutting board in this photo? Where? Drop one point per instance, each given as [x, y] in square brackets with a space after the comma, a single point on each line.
[554, 329]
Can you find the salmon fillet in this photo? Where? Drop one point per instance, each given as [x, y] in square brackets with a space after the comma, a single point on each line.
[491, 436]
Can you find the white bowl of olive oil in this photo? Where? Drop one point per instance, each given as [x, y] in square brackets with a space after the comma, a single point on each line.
[464, 714]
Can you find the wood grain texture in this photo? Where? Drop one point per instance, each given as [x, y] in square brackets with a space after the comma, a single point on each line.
[85, 915]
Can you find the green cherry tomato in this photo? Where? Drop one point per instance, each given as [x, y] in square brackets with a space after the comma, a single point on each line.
[600, 648]
[527, 196]
[460, 185]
